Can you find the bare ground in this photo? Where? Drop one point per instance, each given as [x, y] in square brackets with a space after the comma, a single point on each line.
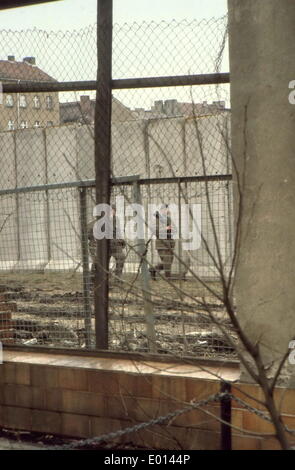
[51, 313]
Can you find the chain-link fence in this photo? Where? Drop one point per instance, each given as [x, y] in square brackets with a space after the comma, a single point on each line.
[170, 146]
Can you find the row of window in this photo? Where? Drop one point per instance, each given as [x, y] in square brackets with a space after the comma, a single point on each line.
[24, 124]
[9, 101]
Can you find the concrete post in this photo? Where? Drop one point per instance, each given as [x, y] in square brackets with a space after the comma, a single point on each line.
[262, 37]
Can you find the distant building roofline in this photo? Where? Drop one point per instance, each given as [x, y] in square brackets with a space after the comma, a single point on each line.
[12, 70]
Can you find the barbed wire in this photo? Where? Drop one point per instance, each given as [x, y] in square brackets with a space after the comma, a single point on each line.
[162, 419]
[47, 138]
[104, 438]
[140, 49]
[138, 427]
[251, 408]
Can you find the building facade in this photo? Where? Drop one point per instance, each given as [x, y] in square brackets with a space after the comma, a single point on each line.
[83, 111]
[26, 110]
[174, 108]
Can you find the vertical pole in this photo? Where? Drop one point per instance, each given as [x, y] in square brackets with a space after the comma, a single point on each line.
[225, 415]
[102, 129]
[183, 135]
[146, 143]
[48, 228]
[85, 264]
[146, 289]
[17, 200]
[180, 266]
[262, 144]
[229, 196]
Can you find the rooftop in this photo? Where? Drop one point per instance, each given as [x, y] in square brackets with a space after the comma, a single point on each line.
[25, 70]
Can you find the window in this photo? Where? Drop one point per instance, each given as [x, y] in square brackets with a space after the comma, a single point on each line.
[49, 102]
[49, 123]
[9, 101]
[37, 124]
[10, 125]
[36, 100]
[24, 124]
[22, 101]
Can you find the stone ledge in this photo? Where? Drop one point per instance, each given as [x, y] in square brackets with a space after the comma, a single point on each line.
[144, 366]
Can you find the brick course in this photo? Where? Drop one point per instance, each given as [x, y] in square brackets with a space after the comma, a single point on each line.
[89, 397]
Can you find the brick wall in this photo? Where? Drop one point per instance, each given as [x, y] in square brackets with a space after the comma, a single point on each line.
[250, 422]
[82, 396]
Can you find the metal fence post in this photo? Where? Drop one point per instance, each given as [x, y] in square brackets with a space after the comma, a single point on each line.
[180, 265]
[85, 265]
[48, 215]
[102, 130]
[145, 276]
[225, 415]
[17, 209]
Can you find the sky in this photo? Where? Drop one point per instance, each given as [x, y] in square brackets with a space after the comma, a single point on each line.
[75, 14]
[172, 49]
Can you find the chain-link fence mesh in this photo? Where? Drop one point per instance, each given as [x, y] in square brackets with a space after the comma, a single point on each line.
[139, 49]
[170, 145]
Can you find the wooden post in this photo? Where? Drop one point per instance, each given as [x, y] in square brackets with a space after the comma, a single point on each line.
[102, 128]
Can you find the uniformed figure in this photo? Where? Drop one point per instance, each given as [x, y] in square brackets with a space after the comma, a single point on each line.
[165, 244]
[116, 247]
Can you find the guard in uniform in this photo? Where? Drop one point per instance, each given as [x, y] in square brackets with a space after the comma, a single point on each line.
[164, 242]
[117, 245]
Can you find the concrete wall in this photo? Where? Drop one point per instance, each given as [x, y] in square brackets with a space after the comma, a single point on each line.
[9, 233]
[261, 66]
[31, 209]
[43, 228]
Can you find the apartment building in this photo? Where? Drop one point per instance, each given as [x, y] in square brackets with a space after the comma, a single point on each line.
[26, 110]
[83, 111]
[174, 108]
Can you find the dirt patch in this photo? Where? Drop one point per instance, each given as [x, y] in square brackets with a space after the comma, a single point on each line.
[51, 312]
[25, 440]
